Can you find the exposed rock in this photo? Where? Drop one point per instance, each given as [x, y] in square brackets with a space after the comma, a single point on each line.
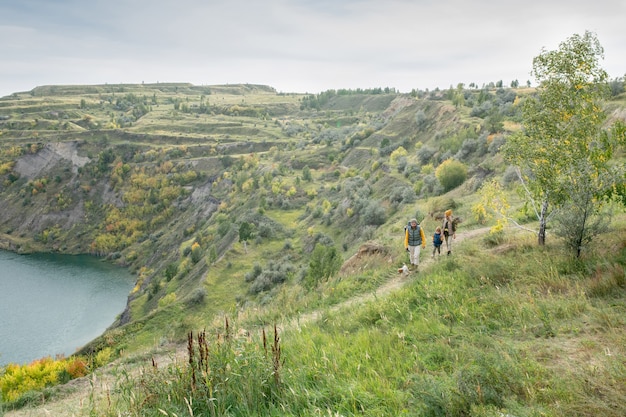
[368, 254]
[35, 165]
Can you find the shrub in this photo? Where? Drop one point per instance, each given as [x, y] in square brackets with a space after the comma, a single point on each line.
[167, 300]
[266, 230]
[476, 147]
[425, 154]
[256, 271]
[103, 357]
[77, 368]
[223, 228]
[482, 110]
[440, 204]
[197, 297]
[196, 253]
[265, 279]
[325, 262]
[494, 238]
[495, 144]
[451, 173]
[401, 193]
[430, 185]
[171, 270]
[18, 380]
[580, 222]
[184, 267]
[401, 163]
[420, 119]
[374, 214]
[246, 231]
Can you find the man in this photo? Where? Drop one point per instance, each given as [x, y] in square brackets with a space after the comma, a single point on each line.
[414, 239]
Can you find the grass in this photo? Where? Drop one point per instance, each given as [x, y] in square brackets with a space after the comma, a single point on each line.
[523, 332]
[473, 335]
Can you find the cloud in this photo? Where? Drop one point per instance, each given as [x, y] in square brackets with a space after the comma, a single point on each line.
[294, 45]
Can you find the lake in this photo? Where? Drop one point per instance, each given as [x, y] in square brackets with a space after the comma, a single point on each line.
[54, 304]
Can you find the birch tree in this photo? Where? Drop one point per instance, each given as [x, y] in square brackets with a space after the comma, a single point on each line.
[563, 128]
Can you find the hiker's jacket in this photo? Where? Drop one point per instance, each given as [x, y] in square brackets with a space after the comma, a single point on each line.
[448, 227]
[414, 237]
[437, 239]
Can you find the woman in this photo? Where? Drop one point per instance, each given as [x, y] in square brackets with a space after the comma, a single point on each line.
[449, 229]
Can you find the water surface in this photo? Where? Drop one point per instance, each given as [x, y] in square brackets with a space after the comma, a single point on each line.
[54, 304]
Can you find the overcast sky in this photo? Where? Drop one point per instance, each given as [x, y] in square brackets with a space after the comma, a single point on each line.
[295, 45]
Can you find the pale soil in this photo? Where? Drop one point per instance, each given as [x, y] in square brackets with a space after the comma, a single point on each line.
[76, 398]
[31, 166]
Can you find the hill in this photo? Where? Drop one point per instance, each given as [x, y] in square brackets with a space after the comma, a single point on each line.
[229, 201]
[160, 178]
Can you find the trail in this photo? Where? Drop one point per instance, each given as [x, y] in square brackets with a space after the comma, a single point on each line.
[75, 398]
[397, 281]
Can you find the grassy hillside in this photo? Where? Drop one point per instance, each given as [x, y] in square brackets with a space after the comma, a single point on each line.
[166, 178]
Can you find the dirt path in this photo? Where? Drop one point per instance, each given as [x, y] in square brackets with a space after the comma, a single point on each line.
[75, 398]
[395, 283]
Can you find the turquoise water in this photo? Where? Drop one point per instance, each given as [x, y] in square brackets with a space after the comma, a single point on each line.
[54, 304]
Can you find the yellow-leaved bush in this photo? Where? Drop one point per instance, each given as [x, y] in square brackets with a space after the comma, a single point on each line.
[16, 380]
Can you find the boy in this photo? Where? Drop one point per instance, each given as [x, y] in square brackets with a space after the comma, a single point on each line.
[437, 241]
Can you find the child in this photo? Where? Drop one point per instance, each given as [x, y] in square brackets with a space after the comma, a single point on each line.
[437, 241]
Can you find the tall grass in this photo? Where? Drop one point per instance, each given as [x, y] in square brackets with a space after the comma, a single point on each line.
[229, 374]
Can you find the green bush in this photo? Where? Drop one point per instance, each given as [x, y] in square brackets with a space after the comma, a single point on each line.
[197, 297]
[374, 214]
[325, 262]
[451, 173]
[171, 270]
[196, 254]
[265, 279]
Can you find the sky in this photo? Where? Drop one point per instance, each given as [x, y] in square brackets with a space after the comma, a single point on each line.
[299, 46]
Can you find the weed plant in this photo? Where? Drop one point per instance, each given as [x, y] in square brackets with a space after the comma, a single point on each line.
[230, 375]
